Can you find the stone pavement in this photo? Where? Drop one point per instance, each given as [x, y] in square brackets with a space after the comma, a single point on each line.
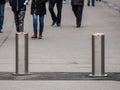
[59, 85]
[59, 76]
[114, 4]
[117, 2]
[64, 49]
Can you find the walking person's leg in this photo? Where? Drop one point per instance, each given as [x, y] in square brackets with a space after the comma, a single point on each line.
[35, 25]
[79, 15]
[16, 21]
[2, 7]
[93, 2]
[41, 26]
[51, 9]
[88, 3]
[59, 13]
[74, 9]
[21, 17]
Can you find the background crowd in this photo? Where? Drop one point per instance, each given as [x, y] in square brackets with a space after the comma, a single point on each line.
[38, 11]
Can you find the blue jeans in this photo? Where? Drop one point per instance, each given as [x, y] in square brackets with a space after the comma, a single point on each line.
[92, 1]
[2, 8]
[35, 22]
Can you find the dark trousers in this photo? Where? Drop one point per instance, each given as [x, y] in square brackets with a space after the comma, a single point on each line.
[56, 18]
[19, 20]
[98, 0]
[2, 8]
[92, 2]
[78, 10]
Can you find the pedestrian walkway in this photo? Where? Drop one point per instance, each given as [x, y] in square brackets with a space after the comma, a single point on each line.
[63, 49]
[117, 2]
[113, 4]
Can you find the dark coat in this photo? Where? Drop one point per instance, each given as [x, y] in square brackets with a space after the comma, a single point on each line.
[2, 1]
[38, 7]
[77, 2]
[17, 5]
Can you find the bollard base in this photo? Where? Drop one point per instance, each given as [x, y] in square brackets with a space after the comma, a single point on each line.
[18, 74]
[92, 75]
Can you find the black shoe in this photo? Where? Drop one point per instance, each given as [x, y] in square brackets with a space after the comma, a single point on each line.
[1, 32]
[78, 26]
[40, 37]
[88, 4]
[58, 25]
[53, 24]
[93, 5]
[34, 37]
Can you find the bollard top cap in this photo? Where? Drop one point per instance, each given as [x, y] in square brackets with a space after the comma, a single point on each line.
[98, 34]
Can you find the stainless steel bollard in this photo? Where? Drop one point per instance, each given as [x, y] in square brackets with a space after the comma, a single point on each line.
[21, 53]
[98, 55]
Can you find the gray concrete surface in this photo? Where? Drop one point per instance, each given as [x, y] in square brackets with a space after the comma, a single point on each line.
[59, 76]
[64, 49]
[59, 85]
[112, 4]
[117, 2]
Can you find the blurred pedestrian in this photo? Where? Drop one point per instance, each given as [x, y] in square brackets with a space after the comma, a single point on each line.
[38, 9]
[64, 1]
[92, 2]
[98, 0]
[2, 8]
[56, 18]
[19, 9]
[77, 7]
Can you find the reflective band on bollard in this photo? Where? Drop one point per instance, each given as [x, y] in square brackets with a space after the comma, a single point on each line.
[21, 53]
[98, 55]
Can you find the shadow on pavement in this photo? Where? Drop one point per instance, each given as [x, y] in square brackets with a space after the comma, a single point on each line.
[114, 76]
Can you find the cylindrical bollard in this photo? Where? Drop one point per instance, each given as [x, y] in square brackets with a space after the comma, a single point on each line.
[21, 53]
[98, 54]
